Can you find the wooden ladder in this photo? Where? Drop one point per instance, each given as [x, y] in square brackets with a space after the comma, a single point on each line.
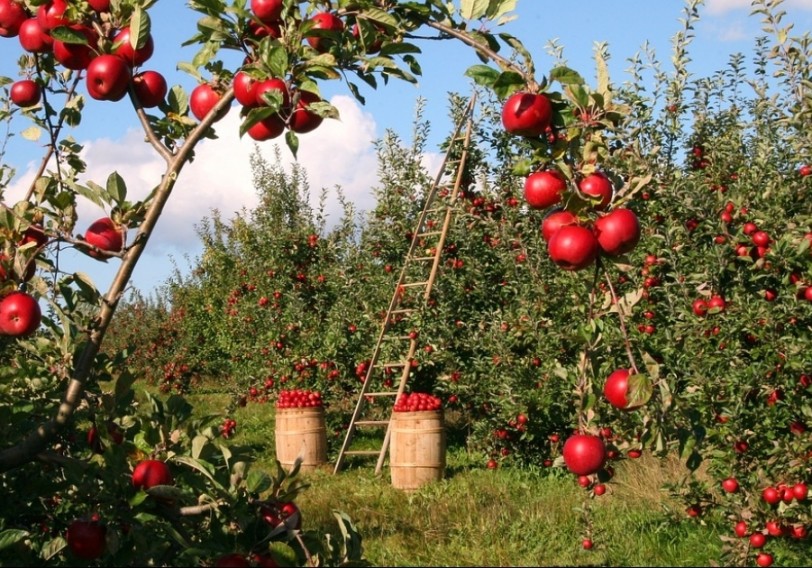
[419, 272]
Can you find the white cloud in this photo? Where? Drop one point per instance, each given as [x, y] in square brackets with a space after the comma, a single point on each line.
[717, 7]
[339, 152]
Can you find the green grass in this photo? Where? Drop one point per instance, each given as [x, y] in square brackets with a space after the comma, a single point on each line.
[503, 517]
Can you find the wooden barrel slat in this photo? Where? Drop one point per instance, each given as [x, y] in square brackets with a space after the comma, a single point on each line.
[417, 452]
[301, 431]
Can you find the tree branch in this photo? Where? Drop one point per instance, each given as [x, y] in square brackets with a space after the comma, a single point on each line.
[27, 449]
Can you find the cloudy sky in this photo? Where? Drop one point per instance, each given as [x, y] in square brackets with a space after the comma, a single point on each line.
[340, 153]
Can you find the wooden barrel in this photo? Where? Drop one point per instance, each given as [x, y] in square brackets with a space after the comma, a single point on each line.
[301, 432]
[417, 448]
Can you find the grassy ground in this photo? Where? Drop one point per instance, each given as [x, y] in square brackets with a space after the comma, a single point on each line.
[504, 517]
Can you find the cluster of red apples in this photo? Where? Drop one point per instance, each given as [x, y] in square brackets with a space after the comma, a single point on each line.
[299, 398]
[89, 43]
[417, 402]
[285, 106]
[573, 243]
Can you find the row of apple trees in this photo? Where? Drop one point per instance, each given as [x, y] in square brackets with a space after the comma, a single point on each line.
[699, 310]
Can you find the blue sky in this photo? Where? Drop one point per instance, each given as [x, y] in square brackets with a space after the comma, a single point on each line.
[341, 153]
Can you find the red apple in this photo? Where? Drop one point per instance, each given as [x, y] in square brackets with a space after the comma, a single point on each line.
[76, 56]
[286, 514]
[107, 78]
[33, 38]
[554, 221]
[25, 93]
[106, 235]
[272, 85]
[573, 247]
[301, 119]
[245, 89]
[716, 304]
[730, 485]
[584, 454]
[134, 56]
[616, 390]
[618, 231]
[20, 314]
[544, 189]
[527, 114]
[597, 186]
[150, 88]
[700, 307]
[324, 22]
[52, 14]
[86, 539]
[267, 11]
[267, 128]
[150, 473]
[12, 16]
[100, 5]
[202, 100]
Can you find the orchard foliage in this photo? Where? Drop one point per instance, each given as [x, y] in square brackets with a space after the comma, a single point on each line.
[705, 313]
[520, 334]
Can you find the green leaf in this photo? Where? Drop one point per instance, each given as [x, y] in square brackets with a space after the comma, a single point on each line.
[379, 16]
[483, 75]
[139, 28]
[68, 35]
[32, 133]
[498, 8]
[9, 537]
[257, 482]
[292, 141]
[639, 391]
[473, 9]
[116, 188]
[566, 76]
[198, 443]
[399, 48]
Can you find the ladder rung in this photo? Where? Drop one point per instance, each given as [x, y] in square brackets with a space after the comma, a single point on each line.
[414, 284]
[391, 365]
[402, 311]
[437, 209]
[429, 234]
[421, 258]
[372, 422]
[395, 337]
[388, 393]
[362, 453]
